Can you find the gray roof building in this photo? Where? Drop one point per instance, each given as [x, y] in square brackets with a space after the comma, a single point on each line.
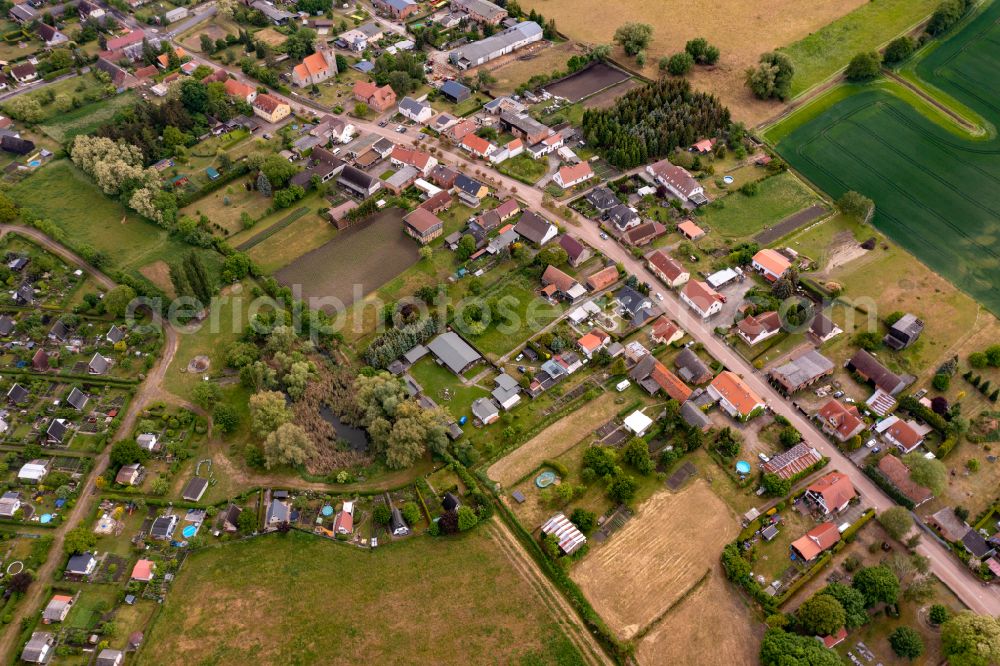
[802, 371]
[496, 45]
[904, 332]
[454, 352]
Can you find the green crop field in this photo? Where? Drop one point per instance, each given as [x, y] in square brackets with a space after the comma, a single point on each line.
[934, 190]
[298, 599]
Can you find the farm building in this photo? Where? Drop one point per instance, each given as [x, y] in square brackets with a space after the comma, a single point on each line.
[497, 45]
[904, 332]
[397, 9]
[194, 489]
[358, 181]
[691, 368]
[831, 494]
[453, 352]
[455, 92]
[507, 392]
[771, 264]
[690, 230]
[801, 372]
[865, 365]
[485, 410]
[569, 536]
[734, 396]
[423, 225]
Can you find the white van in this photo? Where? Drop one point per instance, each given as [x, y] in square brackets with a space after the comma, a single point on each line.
[622, 385]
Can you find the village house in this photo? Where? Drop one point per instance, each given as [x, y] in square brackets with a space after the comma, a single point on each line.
[904, 332]
[901, 434]
[602, 198]
[794, 461]
[419, 160]
[771, 264]
[734, 396]
[418, 112]
[557, 284]
[569, 176]
[644, 234]
[831, 494]
[477, 145]
[274, 14]
[338, 130]
[507, 392]
[423, 225]
[701, 298]
[378, 99]
[822, 329]
[460, 130]
[576, 251]
[815, 541]
[453, 352]
[109, 657]
[470, 191]
[623, 217]
[51, 36]
[840, 421]
[592, 342]
[678, 181]
[755, 329]
[81, 565]
[401, 180]
[535, 228]
[665, 332]
[240, 90]
[194, 489]
[357, 39]
[163, 527]
[485, 411]
[24, 72]
[633, 306]
[692, 369]
[10, 503]
[270, 108]
[24, 14]
[667, 269]
[602, 279]
[802, 371]
[315, 68]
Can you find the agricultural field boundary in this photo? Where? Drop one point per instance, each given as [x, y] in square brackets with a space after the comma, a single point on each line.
[284, 223]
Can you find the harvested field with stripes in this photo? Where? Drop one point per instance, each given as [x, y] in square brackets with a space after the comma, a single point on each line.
[655, 559]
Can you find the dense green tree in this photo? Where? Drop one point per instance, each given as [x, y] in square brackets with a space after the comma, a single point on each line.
[877, 584]
[820, 615]
[896, 521]
[852, 601]
[126, 452]
[930, 473]
[780, 648]
[968, 639]
[680, 64]
[865, 66]
[79, 540]
[906, 643]
[772, 78]
[702, 52]
[633, 37]
[225, 417]
[899, 50]
[117, 300]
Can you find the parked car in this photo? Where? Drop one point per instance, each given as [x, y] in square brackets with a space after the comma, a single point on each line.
[604, 236]
[838, 394]
[659, 296]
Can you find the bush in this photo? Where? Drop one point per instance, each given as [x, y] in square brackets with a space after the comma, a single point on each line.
[939, 614]
[864, 67]
[906, 643]
[941, 382]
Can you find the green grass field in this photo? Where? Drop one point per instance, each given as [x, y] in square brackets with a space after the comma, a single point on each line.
[298, 599]
[65, 195]
[86, 119]
[521, 313]
[434, 378]
[821, 54]
[524, 168]
[934, 192]
[739, 216]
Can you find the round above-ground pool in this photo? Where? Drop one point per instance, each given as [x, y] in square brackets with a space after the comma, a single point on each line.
[327, 510]
[45, 518]
[743, 467]
[727, 180]
[189, 531]
[545, 479]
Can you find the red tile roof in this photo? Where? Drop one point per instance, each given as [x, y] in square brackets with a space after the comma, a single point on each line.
[835, 488]
[816, 540]
[667, 265]
[736, 392]
[844, 420]
[603, 278]
[670, 383]
[898, 473]
[268, 103]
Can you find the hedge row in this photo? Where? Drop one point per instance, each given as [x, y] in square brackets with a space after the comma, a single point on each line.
[235, 171]
[821, 563]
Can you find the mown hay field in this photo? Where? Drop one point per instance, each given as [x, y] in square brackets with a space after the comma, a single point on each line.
[934, 190]
[656, 557]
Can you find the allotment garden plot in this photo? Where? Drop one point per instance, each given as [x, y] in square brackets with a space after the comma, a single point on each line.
[935, 191]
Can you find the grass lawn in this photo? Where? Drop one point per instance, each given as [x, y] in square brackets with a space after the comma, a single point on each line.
[524, 168]
[738, 216]
[63, 194]
[521, 313]
[823, 52]
[435, 378]
[422, 600]
[303, 235]
[94, 601]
